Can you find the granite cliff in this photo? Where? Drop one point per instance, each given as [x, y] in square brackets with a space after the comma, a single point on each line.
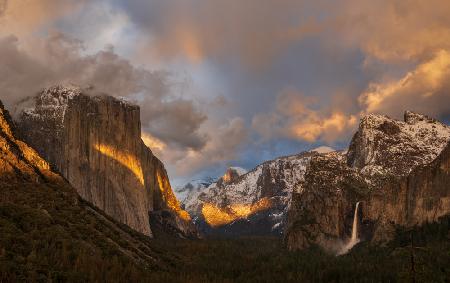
[95, 143]
[49, 233]
[399, 171]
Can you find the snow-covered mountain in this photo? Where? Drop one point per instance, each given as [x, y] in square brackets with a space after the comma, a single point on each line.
[241, 202]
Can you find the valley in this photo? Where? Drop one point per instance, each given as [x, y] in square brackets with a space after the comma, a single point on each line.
[212, 141]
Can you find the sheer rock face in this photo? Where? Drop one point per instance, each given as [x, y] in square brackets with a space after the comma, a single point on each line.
[95, 142]
[399, 171]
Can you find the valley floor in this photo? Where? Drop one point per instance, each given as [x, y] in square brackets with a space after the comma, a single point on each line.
[78, 247]
[266, 260]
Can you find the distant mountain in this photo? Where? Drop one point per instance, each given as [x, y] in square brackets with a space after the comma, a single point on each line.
[247, 203]
[398, 172]
[95, 142]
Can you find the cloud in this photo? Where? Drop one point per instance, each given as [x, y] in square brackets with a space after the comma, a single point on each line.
[2, 7]
[426, 89]
[296, 118]
[20, 17]
[153, 143]
[58, 59]
[395, 30]
[222, 146]
[176, 122]
[253, 31]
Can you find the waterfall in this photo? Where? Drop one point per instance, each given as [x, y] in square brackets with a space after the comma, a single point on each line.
[354, 239]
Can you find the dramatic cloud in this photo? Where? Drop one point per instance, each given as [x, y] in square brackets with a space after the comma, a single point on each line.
[174, 122]
[395, 30]
[225, 141]
[251, 31]
[22, 17]
[295, 118]
[58, 59]
[425, 89]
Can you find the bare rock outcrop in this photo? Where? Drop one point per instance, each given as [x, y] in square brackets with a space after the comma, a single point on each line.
[95, 143]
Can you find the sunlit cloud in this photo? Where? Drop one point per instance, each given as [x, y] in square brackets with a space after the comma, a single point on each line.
[296, 118]
[153, 143]
[425, 89]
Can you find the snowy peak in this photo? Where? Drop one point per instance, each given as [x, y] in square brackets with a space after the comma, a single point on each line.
[58, 94]
[415, 141]
[54, 100]
[323, 149]
[415, 118]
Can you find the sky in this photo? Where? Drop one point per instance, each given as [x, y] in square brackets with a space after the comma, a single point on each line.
[235, 82]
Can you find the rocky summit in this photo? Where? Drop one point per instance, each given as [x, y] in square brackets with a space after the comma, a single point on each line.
[95, 142]
[398, 172]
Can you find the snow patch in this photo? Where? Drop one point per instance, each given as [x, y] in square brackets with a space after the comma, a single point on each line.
[323, 149]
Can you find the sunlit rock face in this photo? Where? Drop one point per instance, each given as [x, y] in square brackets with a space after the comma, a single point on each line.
[17, 159]
[398, 170]
[95, 142]
[247, 203]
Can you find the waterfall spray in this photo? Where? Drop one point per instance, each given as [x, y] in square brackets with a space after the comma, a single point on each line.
[354, 239]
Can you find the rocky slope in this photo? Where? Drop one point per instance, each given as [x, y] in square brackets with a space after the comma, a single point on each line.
[253, 203]
[95, 142]
[399, 171]
[48, 233]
